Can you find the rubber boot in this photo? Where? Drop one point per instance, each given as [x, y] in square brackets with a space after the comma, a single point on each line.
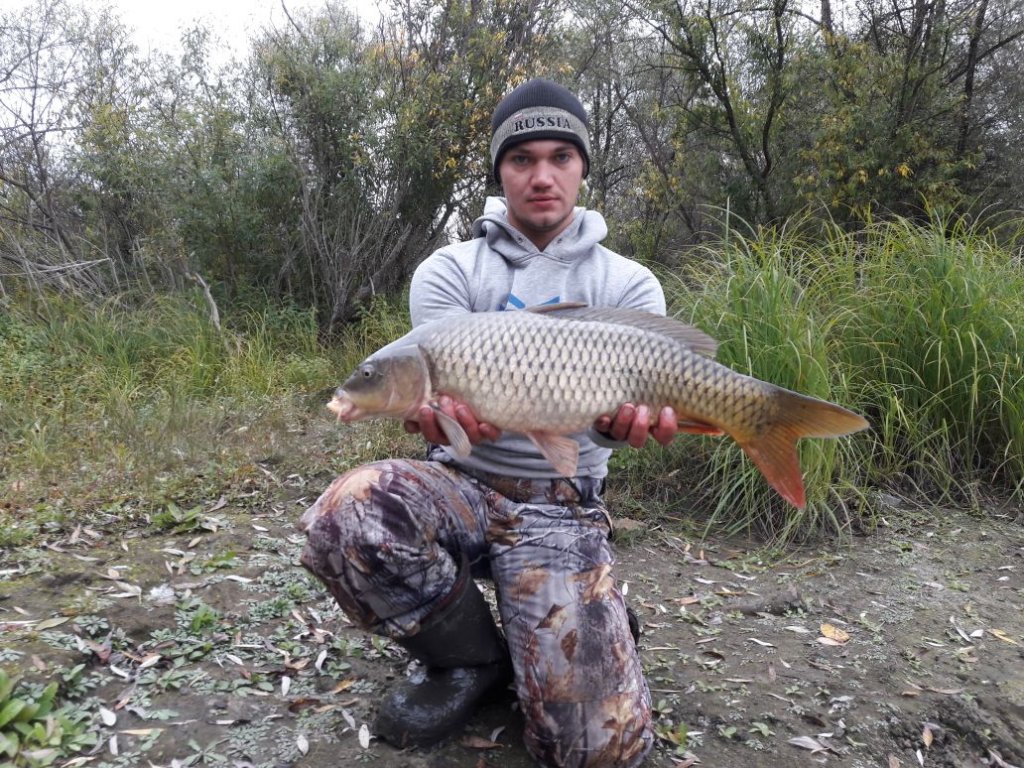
[465, 661]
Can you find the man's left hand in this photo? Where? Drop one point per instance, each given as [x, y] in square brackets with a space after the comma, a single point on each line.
[633, 424]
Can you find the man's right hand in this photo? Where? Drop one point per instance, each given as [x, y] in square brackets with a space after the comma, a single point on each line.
[427, 425]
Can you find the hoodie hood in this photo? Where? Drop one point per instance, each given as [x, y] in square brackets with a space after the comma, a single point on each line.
[576, 241]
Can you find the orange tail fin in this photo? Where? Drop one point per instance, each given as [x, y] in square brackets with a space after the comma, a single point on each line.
[773, 450]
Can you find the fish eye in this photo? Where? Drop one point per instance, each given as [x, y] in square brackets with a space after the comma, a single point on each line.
[367, 371]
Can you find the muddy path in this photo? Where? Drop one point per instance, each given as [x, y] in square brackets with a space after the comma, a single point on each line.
[205, 643]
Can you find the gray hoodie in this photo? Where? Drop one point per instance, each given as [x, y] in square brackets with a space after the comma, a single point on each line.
[501, 269]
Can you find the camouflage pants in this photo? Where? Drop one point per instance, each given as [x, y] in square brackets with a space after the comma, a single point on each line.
[387, 540]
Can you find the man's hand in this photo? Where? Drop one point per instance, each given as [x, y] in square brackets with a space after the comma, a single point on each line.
[632, 424]
[427, 425]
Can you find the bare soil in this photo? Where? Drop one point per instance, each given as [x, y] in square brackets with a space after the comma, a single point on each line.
[210, 645]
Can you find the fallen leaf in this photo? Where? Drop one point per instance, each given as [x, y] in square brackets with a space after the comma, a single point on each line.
[300, 704]
[364, 736]
[834, 633]
[149, 660]
[763, 643]
[997, 760]
[302, 743]
[107, 717]
[798, 629]
[1003, 636]
[808, 742]
[689, 759]
[478, 742]
[56, 621]
[128, 590]
[690, 600]
[927, 737]
[344, 685]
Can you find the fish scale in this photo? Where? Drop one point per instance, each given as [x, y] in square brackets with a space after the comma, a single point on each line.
[526, 391]
[552, 371]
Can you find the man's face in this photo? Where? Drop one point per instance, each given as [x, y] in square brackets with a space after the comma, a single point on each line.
[541, 180]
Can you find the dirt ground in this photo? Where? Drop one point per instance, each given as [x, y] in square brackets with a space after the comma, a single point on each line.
[207, 644]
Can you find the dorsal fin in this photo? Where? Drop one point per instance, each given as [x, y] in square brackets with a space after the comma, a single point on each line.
[694, 338]
[543, 309]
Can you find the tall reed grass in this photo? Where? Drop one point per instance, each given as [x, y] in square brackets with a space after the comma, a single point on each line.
[914, 326]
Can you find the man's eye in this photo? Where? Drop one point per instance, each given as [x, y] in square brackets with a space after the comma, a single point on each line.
[520, 159]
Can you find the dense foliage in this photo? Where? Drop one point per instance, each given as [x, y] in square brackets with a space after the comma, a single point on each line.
[322, 167]
[180, 234]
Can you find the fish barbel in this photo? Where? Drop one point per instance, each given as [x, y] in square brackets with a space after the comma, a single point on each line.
[552, 371]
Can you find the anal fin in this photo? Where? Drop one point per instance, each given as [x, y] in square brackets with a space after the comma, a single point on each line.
[699, 428]
[563, 452]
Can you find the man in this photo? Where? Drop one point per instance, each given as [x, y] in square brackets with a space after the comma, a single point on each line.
[399, 542]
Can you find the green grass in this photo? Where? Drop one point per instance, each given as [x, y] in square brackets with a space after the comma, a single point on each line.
[914, 327]
[123, 409]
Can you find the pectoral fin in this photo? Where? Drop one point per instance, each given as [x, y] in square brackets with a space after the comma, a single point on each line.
[563, 452]
[454, 432]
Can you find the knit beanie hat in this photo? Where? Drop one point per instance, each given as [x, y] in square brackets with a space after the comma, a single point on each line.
[539, 109]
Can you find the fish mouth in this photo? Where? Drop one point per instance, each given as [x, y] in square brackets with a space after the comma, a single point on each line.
[343, 406]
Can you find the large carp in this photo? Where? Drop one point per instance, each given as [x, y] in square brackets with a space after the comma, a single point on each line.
[553, 371]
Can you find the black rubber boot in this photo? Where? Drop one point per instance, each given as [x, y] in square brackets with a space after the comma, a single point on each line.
[634, 625]
[465, 662]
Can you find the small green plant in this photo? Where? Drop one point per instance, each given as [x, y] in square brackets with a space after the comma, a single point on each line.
[176, 520]
[33, 731]
[197, 617]
[761, 729]
[727, 731]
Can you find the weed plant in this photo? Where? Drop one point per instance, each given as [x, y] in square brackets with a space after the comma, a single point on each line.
[122, 401]
[913, 326]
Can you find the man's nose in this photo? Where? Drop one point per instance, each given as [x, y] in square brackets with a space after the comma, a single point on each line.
[543, 174]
